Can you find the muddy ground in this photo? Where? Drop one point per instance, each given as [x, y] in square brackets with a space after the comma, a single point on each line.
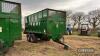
[50, 48]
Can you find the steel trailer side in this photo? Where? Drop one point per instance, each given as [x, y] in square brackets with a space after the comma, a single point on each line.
[46, 24]
[10, 23]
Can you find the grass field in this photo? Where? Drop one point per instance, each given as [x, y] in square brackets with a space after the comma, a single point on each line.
[91, 33]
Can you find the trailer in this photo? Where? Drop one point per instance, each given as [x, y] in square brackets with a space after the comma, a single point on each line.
[45, 25]
[10, 24]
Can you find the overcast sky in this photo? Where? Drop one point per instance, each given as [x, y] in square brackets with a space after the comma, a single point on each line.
[31, 6]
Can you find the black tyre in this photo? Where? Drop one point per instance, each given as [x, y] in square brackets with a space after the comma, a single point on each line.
[28, 38]
[33, 38]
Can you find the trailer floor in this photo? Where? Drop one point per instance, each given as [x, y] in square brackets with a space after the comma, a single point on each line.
[50, 48]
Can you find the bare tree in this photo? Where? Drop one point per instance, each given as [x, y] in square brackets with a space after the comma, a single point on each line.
[77, 17]
[68, 14]
[94, 18]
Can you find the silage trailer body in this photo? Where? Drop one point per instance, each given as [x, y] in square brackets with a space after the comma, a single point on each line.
[46, 24]
[10, 23]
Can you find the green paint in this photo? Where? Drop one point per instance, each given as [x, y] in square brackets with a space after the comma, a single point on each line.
[48, 21]
[10, 24]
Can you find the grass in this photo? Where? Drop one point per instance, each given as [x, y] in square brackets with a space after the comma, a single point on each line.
[92, 33]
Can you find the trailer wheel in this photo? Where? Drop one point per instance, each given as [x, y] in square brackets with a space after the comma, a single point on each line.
[28, 38]
[33, 38]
